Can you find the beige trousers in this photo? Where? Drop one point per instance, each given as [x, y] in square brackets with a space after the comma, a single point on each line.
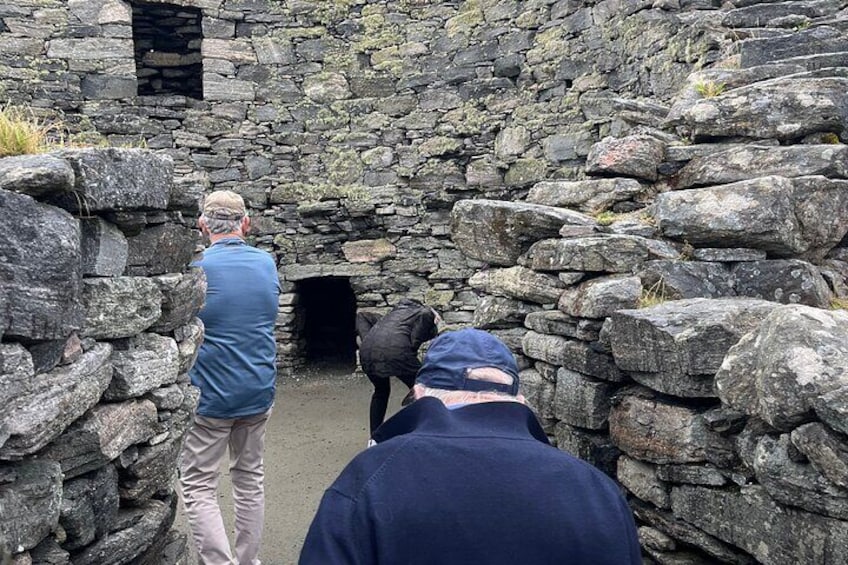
[203, 450]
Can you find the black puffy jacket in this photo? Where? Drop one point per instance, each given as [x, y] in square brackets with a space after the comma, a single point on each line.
[390, 348]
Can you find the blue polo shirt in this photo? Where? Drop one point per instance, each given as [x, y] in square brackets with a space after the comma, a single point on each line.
[236, 366]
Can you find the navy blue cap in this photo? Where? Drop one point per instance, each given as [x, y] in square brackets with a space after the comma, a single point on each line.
[453, 354]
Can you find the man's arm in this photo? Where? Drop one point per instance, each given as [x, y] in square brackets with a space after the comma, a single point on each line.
[331, 537]
[424, 328]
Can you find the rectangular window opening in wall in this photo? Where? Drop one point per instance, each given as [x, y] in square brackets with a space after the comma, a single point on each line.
[167, 42]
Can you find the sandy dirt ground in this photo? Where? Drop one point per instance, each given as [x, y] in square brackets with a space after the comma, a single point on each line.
[320, 421]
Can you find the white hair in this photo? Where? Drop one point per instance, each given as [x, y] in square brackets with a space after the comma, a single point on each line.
[488, 374]
[218, 226]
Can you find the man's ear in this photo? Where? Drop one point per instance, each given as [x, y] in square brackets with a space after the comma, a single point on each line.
[245, 225]
[201, 225]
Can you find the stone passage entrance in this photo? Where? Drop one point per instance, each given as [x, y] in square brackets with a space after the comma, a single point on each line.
[167, 42]
[327, 313]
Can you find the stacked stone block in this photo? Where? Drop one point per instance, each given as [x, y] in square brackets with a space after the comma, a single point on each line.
[99, 329]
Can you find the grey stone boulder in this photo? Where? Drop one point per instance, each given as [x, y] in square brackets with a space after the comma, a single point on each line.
[497, 232]
[142, 363]
[104, 248]
[591, 446]
[539, 393]
[813, 41]
[101, 435]
[600, 297]
[35, 175]
[119, 306]
[16, 373]
[518, 282]
[89, 505]
[728, 254]
[31, 498]
[759, 213]
[600, 253]
[188, 191]
[657, 431]
[706, 475]
[796, 484]
[153, 473]
[559, 323]
[788, 281]
[115, 179]
[136, 529]
[48, 552]
[189, 338]
[497, 312]
[787, 108]
[677, 279]
[40, 269]
[790, 368]
[581, 401]
[56, 399]
[771, 532]
[826, 451]
[821, 206]
[676, 347]
[636, 156]
[754, 161]
[572, 354]
[764, 14]
[164, 248]
[183, 296]
[641, 479]
[588, 196]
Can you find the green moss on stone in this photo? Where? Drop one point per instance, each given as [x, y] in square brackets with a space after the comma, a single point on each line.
[525, 172]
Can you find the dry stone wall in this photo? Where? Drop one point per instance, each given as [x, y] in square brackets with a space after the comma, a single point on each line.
[98, 325]
[695, 349]
[353, 126]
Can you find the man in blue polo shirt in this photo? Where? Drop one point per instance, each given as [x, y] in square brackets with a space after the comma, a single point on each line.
[465, 475]
[236, 374]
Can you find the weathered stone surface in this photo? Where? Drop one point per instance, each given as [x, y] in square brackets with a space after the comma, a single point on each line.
[772, 533]
[826, 451]
[498, 312]
[189, 337]
[166, 248]
[633, 156]
[785, 108]
[574, 355]
[55, 400]
[559, 323]
[48, 552]
[539, 393]
[588, 196]
[706, 475]
[754, 161]
[36, 175]
[183, 296]
[326, 87]
[819, 39]
[153, 472]
[640, 478]
[16, 373]
[518, 282]
[653, 430]
[119, 306]
[101, 435]
[138, 528]
[729, 255]
[89, 506]
[114, 179]
[369, 251]
[104, 248]
[796, 484]
[599, 253]
[498, 232]
[30, 496]
[142, 363]
[675, 280]
[581, 401]
[758, 213]
[676, 347]
[791, 366]
[41, 274]
[600, 297]
[593, 447]
[821, 206]
[788, 281]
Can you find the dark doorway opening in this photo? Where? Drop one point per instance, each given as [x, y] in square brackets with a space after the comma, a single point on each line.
[328, 310]
[167, 42]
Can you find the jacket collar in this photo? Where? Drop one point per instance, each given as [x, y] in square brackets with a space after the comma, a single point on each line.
[429, 416]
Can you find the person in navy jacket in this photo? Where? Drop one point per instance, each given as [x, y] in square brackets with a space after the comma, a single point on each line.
[465, 475]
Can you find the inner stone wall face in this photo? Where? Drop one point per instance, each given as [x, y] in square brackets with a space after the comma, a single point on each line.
[351, 127]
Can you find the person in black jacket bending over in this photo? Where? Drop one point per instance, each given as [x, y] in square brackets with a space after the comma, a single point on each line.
[390, 349]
